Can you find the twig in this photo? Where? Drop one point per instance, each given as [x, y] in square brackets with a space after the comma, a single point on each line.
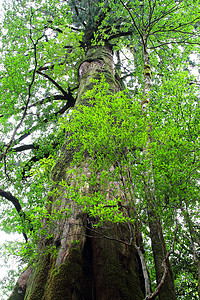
[107, 237]
[70, 103]
[132, 18]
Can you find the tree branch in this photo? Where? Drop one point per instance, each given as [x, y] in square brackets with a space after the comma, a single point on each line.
[132, 18]
[48, 99]
[17, 205]
[119, 34]
[107, 237]
[70, 103]
[34, 159]
[147, 282]
[24, 148]
[53, 81]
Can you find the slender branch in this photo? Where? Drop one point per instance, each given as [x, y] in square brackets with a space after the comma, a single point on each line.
[47, 99]
[175, 42]
[49, 67]
[132, 18]
[164, 14]
[43, 101]
[53, 81]
[145, 272]
[16, 204]
[107, 237]
[70, 103]
[177, 28]
[5, 169]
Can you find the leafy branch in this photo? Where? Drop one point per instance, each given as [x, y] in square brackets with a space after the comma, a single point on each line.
[3, 154]
[17, 205]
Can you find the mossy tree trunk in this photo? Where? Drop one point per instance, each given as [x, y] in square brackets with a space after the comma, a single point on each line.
[95, 267]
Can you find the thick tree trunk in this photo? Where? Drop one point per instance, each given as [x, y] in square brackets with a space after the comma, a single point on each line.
[96, 267]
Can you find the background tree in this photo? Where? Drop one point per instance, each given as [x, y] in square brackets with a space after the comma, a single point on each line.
[117, 160]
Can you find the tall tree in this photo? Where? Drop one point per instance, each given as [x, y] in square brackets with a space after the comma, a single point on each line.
[88, 178]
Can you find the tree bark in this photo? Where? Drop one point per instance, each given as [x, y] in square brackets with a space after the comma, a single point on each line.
[167, 290]
[95, 267]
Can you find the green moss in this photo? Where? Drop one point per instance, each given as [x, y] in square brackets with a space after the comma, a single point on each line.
[38, 280]
[65, 281]
[115, 278]
[98, 52]
[125, 280]
[117, 267]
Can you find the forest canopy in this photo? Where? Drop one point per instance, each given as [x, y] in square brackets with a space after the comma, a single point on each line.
[99, 124]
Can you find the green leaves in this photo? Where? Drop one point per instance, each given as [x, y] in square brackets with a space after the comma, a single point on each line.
[113, 160]
[110, 137]
[109, 122]
[106, 134]
[112, 127]
[175, 132]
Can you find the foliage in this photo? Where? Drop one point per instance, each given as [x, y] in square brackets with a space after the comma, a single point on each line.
[111, 134]
[43, 43]
[105, 133]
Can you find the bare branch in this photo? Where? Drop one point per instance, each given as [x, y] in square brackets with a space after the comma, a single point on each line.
[70, 103]
[147, 282]
[107, 237]
[53, 81]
